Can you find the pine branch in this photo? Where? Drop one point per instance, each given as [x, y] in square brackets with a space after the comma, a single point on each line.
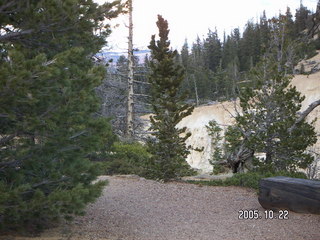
[13, 35]
[7, 5]
[45, 182]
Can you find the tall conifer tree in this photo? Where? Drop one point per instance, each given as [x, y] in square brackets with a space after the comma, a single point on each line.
[168, 146]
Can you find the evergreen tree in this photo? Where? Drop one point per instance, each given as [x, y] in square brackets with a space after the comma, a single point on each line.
[168, 146]
[290, 24]
[231, 48]
[232, 78]
[185, 55]
[53, 26]
[264, 32]
[221, 85]
[197, 53]
[214, 131]
[188, 84]
[302, 19]
[212, 50]
[122, 65]
[49, 129]
[249, 47]
[196, 72]
[268, 113]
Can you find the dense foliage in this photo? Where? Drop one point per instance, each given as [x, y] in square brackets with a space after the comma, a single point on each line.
[49, 130]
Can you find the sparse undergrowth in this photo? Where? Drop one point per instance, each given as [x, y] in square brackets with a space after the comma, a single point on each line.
[250, 179]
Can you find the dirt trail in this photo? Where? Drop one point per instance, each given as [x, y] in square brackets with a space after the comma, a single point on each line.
[139, 209]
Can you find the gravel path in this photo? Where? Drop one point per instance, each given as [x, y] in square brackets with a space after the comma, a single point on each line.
[145, 210]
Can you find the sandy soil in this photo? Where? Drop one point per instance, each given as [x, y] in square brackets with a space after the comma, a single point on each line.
[139, 209]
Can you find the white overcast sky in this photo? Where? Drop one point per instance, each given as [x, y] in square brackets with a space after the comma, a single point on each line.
[191, 18]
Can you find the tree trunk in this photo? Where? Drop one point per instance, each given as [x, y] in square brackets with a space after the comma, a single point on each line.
[196, 90]
[239, 157]
[130, 101]
[268, 157]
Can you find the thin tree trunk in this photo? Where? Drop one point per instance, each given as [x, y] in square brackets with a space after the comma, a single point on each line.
[268, 157]
[280, 54]
[129, 127]
[196, 90]
[235, 79]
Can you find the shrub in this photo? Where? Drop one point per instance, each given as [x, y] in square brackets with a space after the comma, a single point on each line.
[127, 158]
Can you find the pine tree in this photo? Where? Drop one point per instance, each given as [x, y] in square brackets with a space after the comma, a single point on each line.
[264, 32]
[268, 113]
[49, 129]
[289, 24]
[214, 131]
[302, 16]
[185, 61]
[249, 47]
[168, 145]
[212, 51]
[187, 83]
[231, 48]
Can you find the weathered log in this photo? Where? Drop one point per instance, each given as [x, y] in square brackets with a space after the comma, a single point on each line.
[295, 194]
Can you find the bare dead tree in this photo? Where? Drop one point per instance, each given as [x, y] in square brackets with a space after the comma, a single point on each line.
[113, 96]
[130, 100]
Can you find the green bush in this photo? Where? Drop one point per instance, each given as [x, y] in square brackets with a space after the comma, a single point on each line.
[127, 158]
[133, 158]
[249, 179]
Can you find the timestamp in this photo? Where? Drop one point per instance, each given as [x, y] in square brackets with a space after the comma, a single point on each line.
[281, 214]
[254, 214]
